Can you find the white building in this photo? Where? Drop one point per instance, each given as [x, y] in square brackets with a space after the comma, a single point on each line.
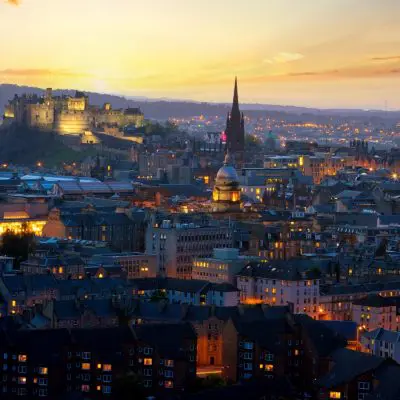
[382, 343]
[222, 266]
[185, 291]
[263, 283]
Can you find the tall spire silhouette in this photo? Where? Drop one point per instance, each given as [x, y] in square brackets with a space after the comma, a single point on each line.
[235, 127]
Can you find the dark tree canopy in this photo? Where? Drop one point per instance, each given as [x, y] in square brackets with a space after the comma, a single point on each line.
[18, 246]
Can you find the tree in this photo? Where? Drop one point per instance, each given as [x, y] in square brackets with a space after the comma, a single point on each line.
[128, 386]
[252, 142]
[18, 246]
[210, 382]
[158, 295]
[315, 272]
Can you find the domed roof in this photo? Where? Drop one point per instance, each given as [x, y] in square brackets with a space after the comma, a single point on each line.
[271, 135]
[227, 173]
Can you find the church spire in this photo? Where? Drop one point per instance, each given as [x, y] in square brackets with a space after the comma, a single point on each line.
[235, 93]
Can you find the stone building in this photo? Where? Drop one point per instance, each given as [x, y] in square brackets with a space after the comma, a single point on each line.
[67, 115]
[226, 193]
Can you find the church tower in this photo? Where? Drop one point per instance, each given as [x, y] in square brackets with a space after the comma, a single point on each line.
[235, 129]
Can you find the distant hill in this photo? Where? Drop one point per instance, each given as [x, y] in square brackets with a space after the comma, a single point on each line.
[163, 109]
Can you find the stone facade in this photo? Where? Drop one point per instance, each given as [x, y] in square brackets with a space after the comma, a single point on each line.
[67, 115]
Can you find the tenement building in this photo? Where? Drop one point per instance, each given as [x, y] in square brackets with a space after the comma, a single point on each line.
[176, 245]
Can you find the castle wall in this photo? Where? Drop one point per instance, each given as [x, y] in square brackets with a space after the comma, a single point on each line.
[40, 115]
[117, 117]
[72, 122]
[76, 104]
[67, 115]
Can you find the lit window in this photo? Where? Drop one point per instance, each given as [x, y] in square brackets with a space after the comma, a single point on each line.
[107, 367]
[168, 384]
[98, 387]
[85, 388]
[22, 358]
[296, 352]
[60, 270]
[169, 363]
[335, 395]
[13, 303]
[148, 361]
[86, 366]
[43, 371]
[261, 366]
[101, 276]
[22, 380]
[269, 367]
[98, 366]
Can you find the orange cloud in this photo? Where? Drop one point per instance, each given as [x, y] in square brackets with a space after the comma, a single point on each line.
[13, 2]
[41, 72]
[284, 57]
[384, 59]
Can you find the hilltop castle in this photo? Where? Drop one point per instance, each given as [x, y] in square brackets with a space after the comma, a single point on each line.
[67, 115]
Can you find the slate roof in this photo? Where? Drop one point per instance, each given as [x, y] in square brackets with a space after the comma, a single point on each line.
[103, 341]
[347, 329]
[348, 364]
[324, 339]
[283, 270]
[388, 387]
[34, 342]
[337, 290]
[383, 335]
[167, 338]
[375, 300]
[268, 334]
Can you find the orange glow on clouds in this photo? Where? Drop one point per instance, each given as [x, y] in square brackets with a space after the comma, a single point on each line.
[283, 51]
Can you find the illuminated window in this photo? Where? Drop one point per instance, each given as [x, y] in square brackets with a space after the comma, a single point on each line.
[296, 352]
[85, 388]
[273, 290]
[86, 366]
[169, 363]
[168, 384]
[261, 366]
[269, 367]
[35, 380]
[13, 303]
[98, 387]
[148, 361]
[22, 380]
[98, 366]
[22, 358]
[43, 371]
[101, 275]
[335, 395]
[60, 270]
[107, 367]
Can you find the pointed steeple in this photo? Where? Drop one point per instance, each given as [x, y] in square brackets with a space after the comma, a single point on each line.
[235, 93]
[235, 104]
[235, 126]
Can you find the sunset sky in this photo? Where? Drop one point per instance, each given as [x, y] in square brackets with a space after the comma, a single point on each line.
[322, 53]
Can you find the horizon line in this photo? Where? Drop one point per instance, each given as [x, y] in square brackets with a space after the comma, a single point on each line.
[148, 99]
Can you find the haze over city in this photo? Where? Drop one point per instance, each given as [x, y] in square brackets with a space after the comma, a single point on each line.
[329, 53]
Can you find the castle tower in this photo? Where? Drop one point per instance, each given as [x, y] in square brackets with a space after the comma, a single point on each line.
[235, 129]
